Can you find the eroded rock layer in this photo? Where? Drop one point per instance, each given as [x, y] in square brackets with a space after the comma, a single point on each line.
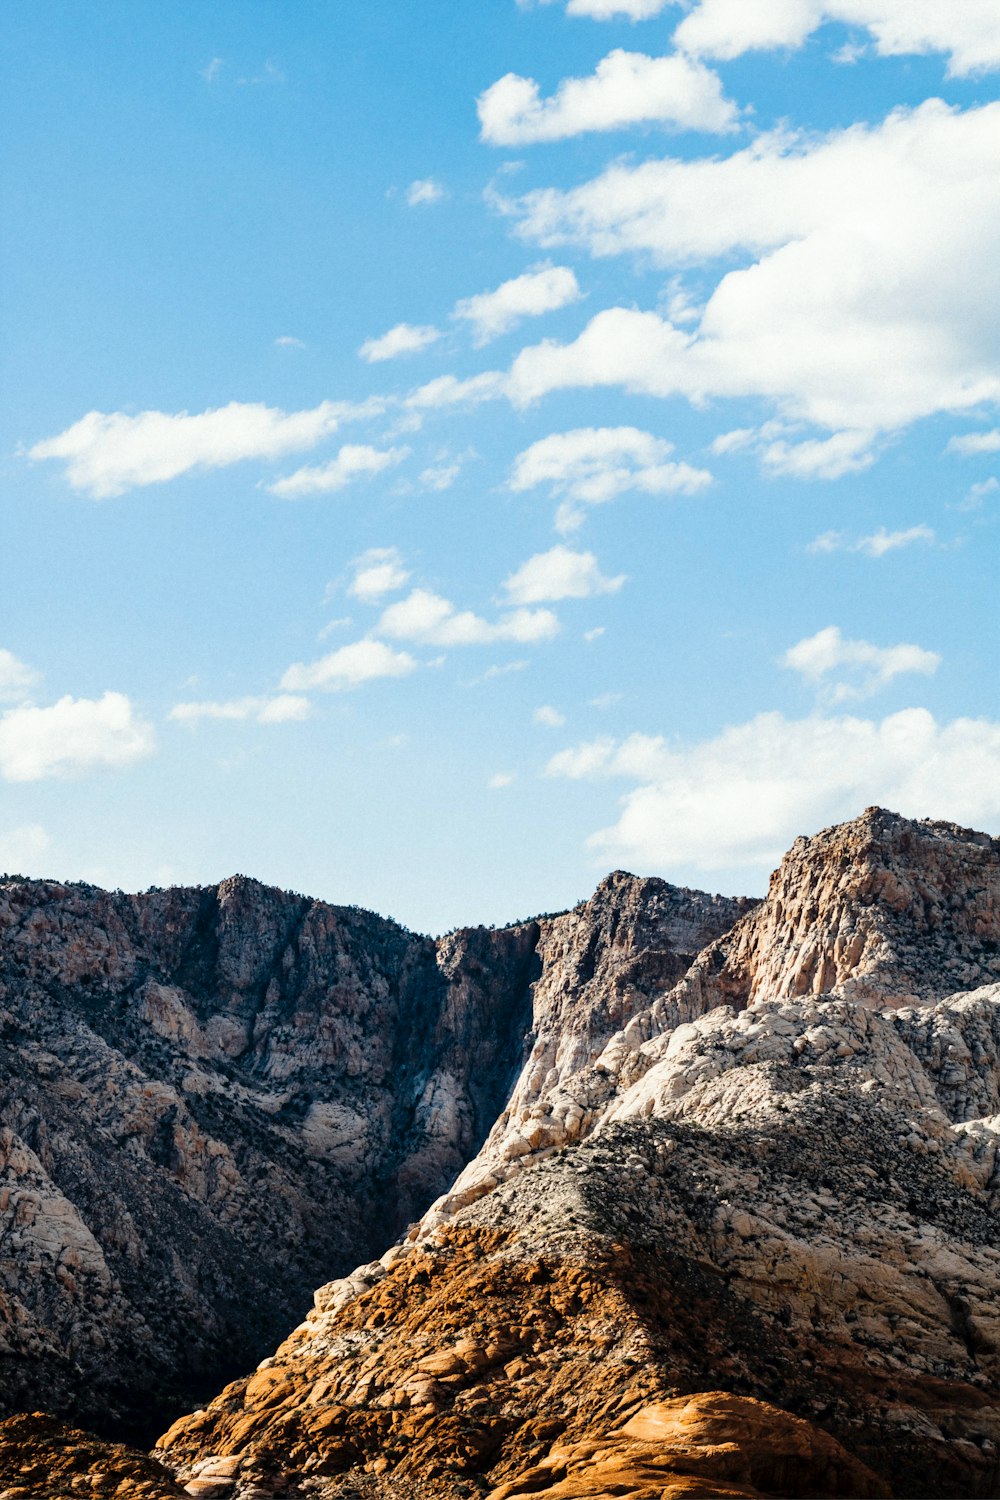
[790, 1198]
[214, 1100]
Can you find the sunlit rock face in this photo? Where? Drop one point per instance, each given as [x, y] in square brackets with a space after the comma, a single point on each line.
[214, 1100]
[788, 1198]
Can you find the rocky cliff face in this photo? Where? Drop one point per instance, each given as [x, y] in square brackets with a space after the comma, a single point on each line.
[214, 1100]
[791, 1197]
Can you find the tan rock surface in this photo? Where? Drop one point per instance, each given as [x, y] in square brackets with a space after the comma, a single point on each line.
[790, 1197]
[41, 1459]
[215, 1100]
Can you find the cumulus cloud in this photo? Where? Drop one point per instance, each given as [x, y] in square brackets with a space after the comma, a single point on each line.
[868, 667]
[21, 849]
[353, 461]
[429, 620]
[377, 572]
[405, 338]
[969, 444]
[72, 737]
[558, 574]
[627, 88]
[737, 800]
[349, 667]
[425, 190]
[107, 453]
[543, 290]
[16, 679]
[500, 780]
[967, 32]
[592, 465]
[284, 708]
[856, 242]
[878, 544]
[549, 717]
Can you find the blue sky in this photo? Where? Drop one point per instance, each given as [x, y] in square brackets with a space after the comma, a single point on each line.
[451, 451]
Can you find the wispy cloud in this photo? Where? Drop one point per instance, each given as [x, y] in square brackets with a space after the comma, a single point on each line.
[281, 709]
[107, 453]
[541, 290]
[592, 465]
[970, 444]
[354, 461]
[866, 668]
[878, 544]
[405, 338]
[378, 572]
[425, 190]
[349, 667]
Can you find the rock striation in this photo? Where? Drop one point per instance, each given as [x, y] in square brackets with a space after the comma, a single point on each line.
[214, 1100]
[777, 1181]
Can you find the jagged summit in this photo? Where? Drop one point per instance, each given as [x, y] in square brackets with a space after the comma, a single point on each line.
[666, 1152]
[884, 908]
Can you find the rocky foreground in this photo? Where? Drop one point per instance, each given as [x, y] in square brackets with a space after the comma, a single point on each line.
[213, 1100]
[732, 1230]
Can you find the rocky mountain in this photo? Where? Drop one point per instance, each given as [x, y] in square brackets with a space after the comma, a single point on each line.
[212, 1101]
[790, 1198]
[708, 1191]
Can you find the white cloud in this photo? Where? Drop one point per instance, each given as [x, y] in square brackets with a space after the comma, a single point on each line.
[856, 242]
[978, 492]
[16, 679]
[107, 453]
[440, 476]
[968, 31]
[353, 461]
[882, 541]
[810, 458]
[405, 338]
[592, 465]
[377, 572]
[71, 737]
[500, 780]
[281, 709]
[870, 667]
[21, 849]
[609, 10]
[425, 190]
[738, 800]
[876, 545]
[969, 444]
[448, 390]
[549, 717]
[557, 574]
[819, 458]
[627, 88]
[212, 69]
[348, 667]
[430, 620]
[289, 341]
[539, 291]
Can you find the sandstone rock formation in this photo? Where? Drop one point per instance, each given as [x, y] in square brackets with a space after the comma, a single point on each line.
[790, 1197]
[215, 1100]
[44, 1460]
